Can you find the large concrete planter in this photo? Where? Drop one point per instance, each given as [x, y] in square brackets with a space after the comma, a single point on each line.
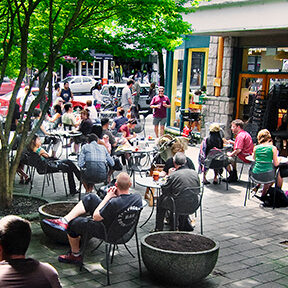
[53, 233]
[180, 268]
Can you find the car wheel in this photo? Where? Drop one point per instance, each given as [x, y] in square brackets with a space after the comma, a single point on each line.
[92, 89]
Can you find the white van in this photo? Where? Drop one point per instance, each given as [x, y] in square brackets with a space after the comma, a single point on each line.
[114, 92]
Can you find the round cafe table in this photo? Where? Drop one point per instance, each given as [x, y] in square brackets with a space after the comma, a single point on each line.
[148, 182]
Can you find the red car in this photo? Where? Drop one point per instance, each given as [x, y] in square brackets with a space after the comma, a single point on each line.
[7, 85]
[5, 101]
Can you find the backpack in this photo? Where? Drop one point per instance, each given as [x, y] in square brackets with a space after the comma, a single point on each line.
[281, 199]
[216, 159]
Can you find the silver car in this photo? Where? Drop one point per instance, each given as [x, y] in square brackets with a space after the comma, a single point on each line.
[79, 84]
[114, 92]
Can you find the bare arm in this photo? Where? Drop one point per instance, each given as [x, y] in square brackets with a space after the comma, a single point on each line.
[110, 194]
[275, 157]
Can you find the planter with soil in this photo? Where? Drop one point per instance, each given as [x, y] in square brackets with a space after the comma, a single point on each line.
[180, 258]
[55, 210]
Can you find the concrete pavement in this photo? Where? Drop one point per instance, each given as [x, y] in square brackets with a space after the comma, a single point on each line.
[251, 253]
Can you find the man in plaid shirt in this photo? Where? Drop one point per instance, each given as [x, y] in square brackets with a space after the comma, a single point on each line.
[94, 161]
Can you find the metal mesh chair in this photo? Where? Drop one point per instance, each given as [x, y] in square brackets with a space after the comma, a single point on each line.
[122, 229]
[263, 178]
[186, 203]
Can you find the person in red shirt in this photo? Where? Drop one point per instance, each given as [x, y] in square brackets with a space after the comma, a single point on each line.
[160, 103]
[243, 147]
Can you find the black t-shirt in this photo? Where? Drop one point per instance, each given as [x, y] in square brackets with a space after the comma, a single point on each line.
[169, 164]
[118, 204]
[66, 95]
[86, 126]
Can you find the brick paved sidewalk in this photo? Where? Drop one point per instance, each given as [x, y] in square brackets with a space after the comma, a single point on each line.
[250, 251]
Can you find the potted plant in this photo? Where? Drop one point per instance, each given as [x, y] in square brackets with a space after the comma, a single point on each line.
[179, 257]
[54, 210]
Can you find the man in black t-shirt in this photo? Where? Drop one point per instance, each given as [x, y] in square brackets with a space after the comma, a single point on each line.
[117, 200]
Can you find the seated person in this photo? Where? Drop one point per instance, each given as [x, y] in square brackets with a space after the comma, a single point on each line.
[106, 131]
[176, 147]
[66, 165]
[126, 129]
[43, 134]
[68, 118]
[95, 162]
[85, 128]
[17, 270]
[265, 155]
[214, 140]
[179, 179]
[119, 120]
[116, 200]
[243, 147]
[92, 111]
[56, 119]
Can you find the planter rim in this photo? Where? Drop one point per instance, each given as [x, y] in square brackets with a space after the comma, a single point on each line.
[40, 209]
[143, 241]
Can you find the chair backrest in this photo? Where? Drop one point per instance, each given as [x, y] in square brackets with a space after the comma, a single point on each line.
[124, 226]
[189, 200]
[216, 159]
[263, 178]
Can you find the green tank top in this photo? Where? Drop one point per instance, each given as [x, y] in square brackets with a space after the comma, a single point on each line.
[263, 153]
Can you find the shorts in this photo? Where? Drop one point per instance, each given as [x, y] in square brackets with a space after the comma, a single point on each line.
[161, 121]
[81, 225]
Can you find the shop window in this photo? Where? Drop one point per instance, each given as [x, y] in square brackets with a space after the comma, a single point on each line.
[177, 87]
[97, 69]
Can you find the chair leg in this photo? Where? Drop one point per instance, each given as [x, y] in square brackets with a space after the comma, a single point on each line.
[247, 191]
[138, 252]
[201, 220]
[64, 182]
[128, 250]
[107, 250]
[240, 174]
[43, 185]
[226, 178]
[53, 182]
[32, 179]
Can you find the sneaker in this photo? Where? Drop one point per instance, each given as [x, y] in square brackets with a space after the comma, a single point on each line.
[56, 223]
[70, 258]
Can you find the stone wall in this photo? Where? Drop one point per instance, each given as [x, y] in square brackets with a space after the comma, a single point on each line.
[219, 109]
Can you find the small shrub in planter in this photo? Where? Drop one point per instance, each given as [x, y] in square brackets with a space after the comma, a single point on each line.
[179, 257]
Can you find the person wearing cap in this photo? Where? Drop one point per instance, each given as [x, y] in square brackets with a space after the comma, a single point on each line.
[179, 179]
[214, 140]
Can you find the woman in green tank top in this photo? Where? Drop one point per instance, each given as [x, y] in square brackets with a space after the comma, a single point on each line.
[265, 156]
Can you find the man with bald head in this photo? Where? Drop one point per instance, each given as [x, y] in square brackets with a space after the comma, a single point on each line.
[180, 177]
[117, 200]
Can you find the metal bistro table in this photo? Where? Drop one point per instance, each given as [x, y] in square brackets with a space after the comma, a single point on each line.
[66, 135]
[148, 182]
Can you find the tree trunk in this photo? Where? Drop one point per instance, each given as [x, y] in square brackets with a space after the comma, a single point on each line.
[6, 183]
[161, 68]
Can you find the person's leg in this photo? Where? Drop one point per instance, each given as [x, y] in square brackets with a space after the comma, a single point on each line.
[77, 210]
[156, 131]
[162, 127]
[160, 215]
[156, 122]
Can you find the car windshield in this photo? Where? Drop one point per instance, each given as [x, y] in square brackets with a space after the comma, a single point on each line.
[68, 79]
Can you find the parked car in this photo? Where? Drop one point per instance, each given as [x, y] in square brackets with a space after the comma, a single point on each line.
[5, 101]
[113, 92]
[7, 85]
[79, 84]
